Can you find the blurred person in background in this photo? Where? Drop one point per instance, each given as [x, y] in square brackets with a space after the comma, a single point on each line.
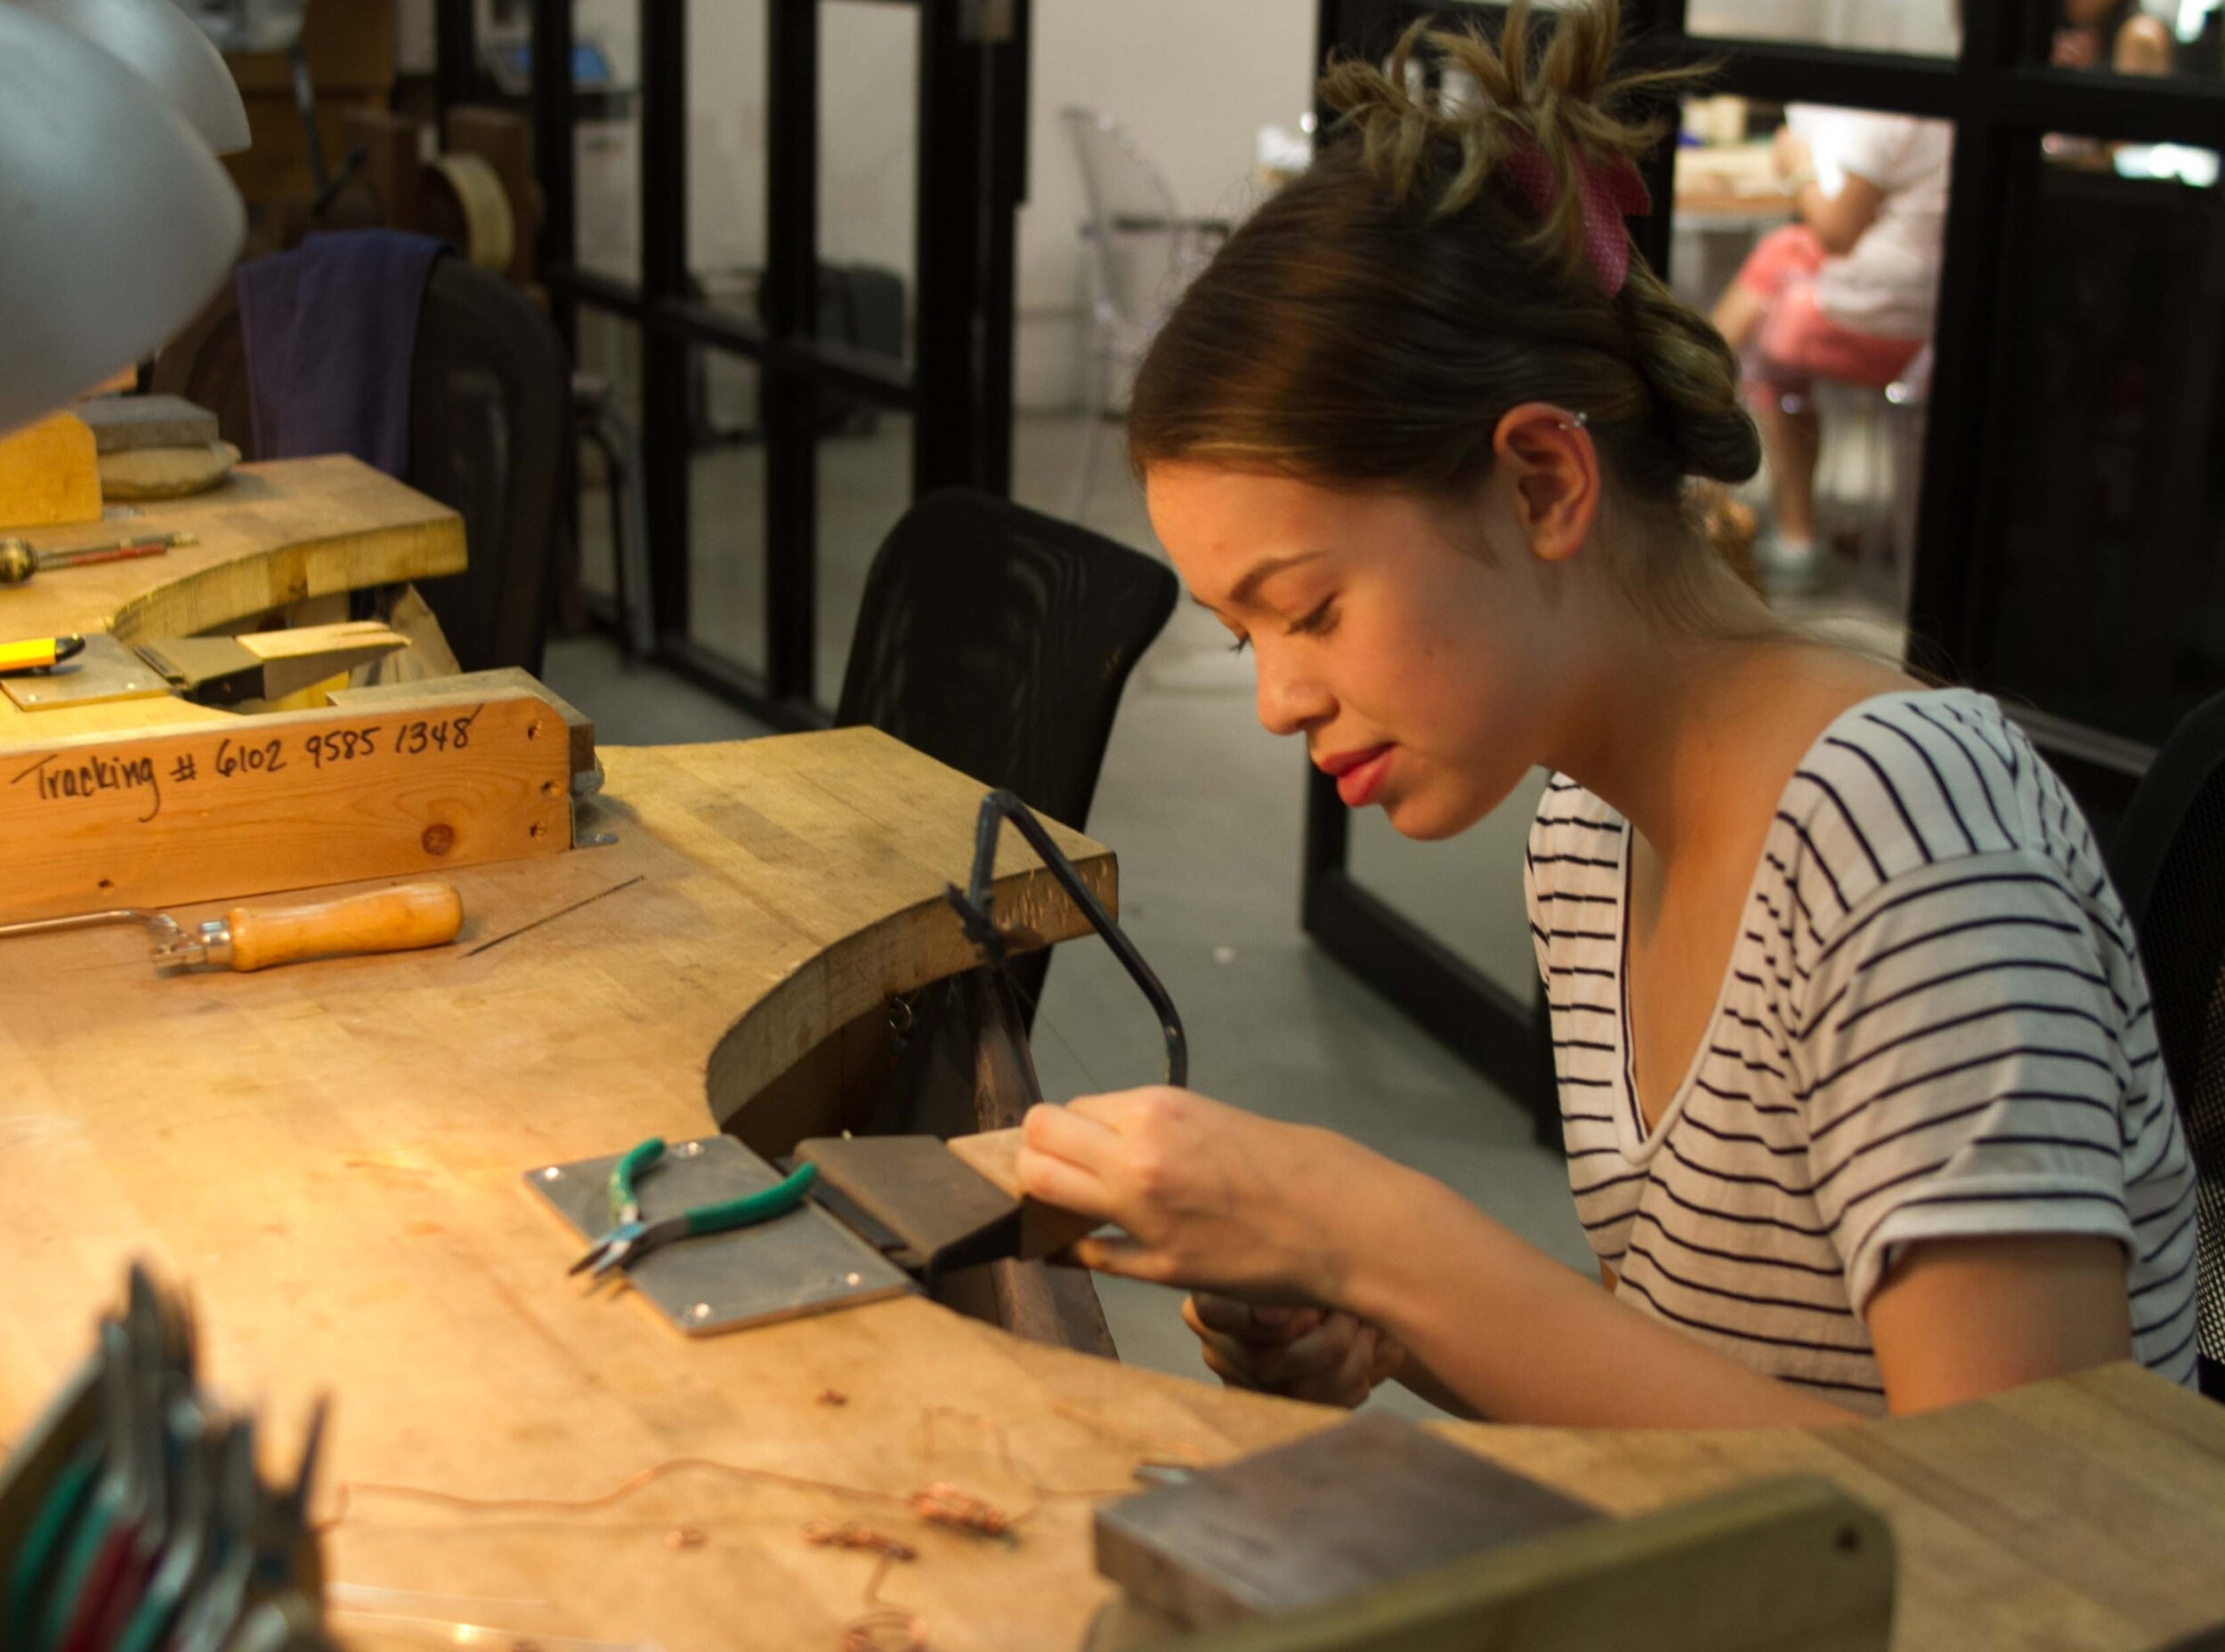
[1844, 292]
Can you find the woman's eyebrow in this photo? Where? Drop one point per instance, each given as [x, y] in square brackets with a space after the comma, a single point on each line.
[1247, 589]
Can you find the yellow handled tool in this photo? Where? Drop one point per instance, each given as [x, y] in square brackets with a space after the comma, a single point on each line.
[38, 653]
[400, 919]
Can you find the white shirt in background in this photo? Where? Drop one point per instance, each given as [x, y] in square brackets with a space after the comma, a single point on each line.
[1888, 285]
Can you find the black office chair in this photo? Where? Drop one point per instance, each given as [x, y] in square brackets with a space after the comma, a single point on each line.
[997, 640]
[2168, 859]
[490, 437]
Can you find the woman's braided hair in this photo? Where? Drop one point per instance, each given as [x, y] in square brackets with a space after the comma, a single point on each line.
[1372, 321]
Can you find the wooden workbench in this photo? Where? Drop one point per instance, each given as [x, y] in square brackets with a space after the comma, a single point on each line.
[1729, 184]
[330, 1155]
[272, 535]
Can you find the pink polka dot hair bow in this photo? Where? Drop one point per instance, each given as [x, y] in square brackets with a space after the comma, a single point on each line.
[1611, 192]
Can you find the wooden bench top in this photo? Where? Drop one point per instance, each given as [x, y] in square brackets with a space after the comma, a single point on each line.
[329, 1155]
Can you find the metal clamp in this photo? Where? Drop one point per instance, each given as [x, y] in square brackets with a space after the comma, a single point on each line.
[211, 944]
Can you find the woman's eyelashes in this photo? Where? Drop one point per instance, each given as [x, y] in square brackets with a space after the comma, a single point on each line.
[1319, 622]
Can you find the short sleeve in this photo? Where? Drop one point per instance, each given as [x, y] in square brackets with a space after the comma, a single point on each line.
[1878, 148]
[1538, 937]
[1962, 1061]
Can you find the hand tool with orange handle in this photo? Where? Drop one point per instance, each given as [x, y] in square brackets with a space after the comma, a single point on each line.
[398, 919]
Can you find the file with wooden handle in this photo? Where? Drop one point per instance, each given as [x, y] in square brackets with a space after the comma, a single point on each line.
[400, 919]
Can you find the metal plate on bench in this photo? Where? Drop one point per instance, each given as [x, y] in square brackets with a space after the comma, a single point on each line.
[104, 670]
[805, 1262]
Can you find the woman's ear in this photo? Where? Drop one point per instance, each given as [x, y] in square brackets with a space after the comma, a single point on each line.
[1553, 468]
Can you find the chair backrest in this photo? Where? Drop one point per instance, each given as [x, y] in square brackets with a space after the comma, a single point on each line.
[489, 416]
[997, 640]
[490, 437]
[2168, 858]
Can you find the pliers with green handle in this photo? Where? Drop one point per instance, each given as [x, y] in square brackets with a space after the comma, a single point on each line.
[630, 1238]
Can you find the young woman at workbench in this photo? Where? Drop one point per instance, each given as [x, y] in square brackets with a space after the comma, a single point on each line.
[1858, 1081]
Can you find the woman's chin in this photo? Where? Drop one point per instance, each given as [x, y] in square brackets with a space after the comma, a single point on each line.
[1431, 813]
[1426, 819]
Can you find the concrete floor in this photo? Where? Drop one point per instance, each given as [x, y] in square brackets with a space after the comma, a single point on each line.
[1204, 810]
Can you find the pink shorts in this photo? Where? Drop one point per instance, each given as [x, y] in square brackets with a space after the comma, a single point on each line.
[1796, 341]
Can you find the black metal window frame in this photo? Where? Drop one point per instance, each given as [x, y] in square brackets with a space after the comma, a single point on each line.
[2004, 97]
[956, 390]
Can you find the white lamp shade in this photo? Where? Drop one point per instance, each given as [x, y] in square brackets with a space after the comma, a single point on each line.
[117, 222]
[159, 41]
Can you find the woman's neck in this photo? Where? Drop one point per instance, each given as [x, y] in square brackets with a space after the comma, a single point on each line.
[1679, 734]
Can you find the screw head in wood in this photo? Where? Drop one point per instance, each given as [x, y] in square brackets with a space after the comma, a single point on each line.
[439, 838]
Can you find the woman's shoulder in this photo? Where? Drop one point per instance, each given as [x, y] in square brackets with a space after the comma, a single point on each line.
[1906, 785]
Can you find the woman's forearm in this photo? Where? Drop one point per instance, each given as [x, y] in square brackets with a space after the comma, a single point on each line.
[1418, 1378]
[1521, 1338]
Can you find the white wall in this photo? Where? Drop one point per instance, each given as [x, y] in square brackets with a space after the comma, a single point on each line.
[868, 123]
[1920, 26]
[726, 104]
[1192, 81]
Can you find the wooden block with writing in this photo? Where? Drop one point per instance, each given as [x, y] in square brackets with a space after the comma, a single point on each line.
[474, 686]
[1045, 1229]
[285, 801]
[49, 474]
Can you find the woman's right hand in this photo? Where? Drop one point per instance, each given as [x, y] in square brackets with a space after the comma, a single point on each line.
[1327, 1356]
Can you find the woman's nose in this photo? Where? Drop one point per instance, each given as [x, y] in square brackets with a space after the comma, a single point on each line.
[1289, 702]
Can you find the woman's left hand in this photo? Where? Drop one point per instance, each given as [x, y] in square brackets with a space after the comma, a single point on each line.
[1211, 1197]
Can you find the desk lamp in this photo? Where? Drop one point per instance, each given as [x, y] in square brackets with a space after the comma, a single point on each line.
[158, 41]
[118, 221]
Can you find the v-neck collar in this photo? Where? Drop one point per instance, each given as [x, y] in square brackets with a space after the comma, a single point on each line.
[1638, 1144]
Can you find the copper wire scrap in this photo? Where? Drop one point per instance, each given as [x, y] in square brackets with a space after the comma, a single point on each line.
[855, 1534]
[686, 1537]
[884, 1626]
[344, 1510]
[946, 1505]
[1196, 1456]
[833, 1396]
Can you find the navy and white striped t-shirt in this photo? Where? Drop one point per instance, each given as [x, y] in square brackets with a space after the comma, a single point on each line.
[1933, 1024]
